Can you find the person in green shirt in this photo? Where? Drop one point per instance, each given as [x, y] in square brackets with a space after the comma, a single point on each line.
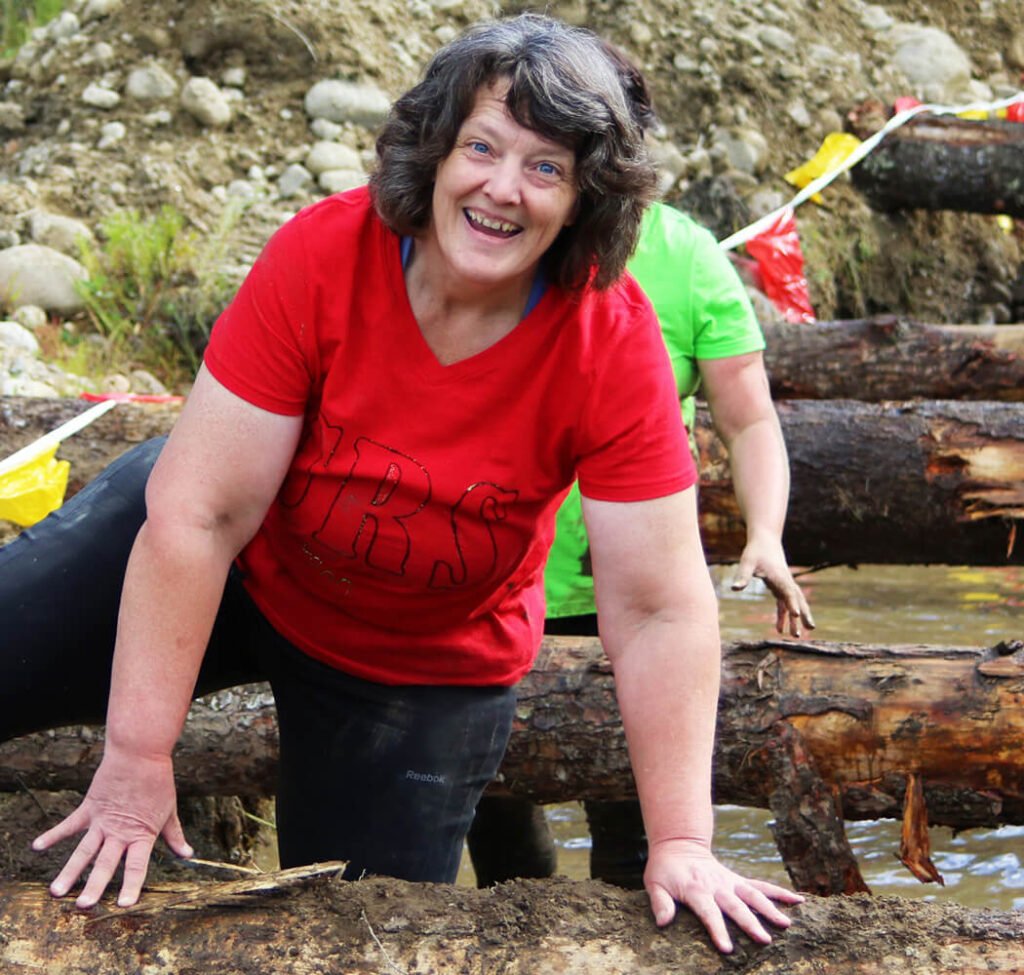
[715, 345]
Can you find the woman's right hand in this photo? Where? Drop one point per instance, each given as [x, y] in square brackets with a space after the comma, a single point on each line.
[130, 802]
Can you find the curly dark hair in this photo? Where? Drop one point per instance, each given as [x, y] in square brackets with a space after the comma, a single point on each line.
[562, 85]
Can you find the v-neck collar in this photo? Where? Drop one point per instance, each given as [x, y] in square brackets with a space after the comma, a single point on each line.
[531, 328]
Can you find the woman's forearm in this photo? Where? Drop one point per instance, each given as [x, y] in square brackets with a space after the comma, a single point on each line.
[172, 589]
[667, 680]
[760, 477]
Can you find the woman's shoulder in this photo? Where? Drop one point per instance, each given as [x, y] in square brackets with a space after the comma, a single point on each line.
[331, 228]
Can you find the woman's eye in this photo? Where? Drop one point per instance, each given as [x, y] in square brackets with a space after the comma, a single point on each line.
[547, 169]
[480, 147]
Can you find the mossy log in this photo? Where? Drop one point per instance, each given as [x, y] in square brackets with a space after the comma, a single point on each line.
[903, 483]
[888, 357]
[377, 925]
[897, 483]
[946, 163]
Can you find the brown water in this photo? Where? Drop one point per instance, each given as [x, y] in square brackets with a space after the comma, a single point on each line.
[874, 604]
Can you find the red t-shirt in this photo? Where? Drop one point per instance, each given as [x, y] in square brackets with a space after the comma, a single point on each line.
[407, 543]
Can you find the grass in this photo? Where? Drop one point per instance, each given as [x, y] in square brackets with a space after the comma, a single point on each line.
[18, 17]
[153, 291]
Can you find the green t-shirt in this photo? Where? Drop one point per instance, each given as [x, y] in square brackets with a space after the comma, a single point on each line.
[704, 313]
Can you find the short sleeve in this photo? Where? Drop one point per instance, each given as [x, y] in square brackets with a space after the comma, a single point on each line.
[634, 442]
[262, 344]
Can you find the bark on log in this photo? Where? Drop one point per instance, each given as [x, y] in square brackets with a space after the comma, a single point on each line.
[946, 163]
[938, 482]
[868, 717]
[387, 926]
[898, 483]
[893, 358]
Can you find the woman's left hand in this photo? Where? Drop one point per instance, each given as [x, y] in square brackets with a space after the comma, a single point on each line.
[765, 559]
[685, 872]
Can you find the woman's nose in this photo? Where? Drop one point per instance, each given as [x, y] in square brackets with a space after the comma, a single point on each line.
[504, 182]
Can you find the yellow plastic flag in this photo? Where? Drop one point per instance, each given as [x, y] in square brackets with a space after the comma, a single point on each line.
[34, 489]
[32, 480]
[829, 157]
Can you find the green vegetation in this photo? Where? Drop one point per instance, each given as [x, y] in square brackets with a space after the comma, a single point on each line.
[153, 291]
[18, 17]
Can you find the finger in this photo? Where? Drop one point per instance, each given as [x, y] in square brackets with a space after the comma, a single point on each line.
[794, 618]
[777, 893]
[759, 902]
[174, 837]
[102, 870]
[76, 863]
[136, 863]
[709, 914]
[70, 826]
[742, 578]
[781, 615]
[734, 907]
[663, 904]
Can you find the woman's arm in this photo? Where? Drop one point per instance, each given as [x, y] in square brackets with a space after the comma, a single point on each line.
[737, 393]
[206, 497]
[659, 626]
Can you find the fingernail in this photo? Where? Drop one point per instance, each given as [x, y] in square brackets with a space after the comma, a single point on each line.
[58, 890]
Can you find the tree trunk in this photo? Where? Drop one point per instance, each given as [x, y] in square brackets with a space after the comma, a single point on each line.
[937, 482]
[899, 483]
[867, 718]
[946, 163]
[892, 358]
[378, 925]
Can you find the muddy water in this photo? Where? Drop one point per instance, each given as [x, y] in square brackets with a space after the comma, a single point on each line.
[873, 604]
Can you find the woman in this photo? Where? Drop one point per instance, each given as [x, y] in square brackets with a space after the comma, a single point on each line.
[714, 344]
[359, 495]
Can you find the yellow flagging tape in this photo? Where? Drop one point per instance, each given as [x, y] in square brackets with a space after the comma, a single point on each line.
[857, 153]
[34, 489]
[32, 480]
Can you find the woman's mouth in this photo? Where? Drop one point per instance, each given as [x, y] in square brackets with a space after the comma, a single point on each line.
[492, 226]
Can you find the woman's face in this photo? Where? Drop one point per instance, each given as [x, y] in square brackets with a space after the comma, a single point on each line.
[500, 196]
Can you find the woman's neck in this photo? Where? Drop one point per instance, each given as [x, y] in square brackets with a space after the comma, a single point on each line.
[459, 319]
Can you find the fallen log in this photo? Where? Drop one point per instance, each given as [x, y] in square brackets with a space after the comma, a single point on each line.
[938, 482]
[556, 925]
[946, 163]
[867, 718]
[892, 358]
[899, 483]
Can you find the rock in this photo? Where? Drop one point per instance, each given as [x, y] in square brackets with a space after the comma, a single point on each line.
[331, 155]
[98, 9]
[111, 134]
[32, 274]
[345, 101]
[12, 117]
[326, 130]
[65, 24]
[339, 180]
[746, 149]
[146, 384]
[31, 316]
[23, 386]
[150, 82]
[17, 338]
[57, 232]
[99, 96]
[294, 180]
[930, 57]
[116, 383]
[206, 103]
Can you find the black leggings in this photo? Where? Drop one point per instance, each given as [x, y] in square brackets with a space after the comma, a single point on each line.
[385, 777]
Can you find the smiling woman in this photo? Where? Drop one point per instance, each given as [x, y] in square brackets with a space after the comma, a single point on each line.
[359, 496]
